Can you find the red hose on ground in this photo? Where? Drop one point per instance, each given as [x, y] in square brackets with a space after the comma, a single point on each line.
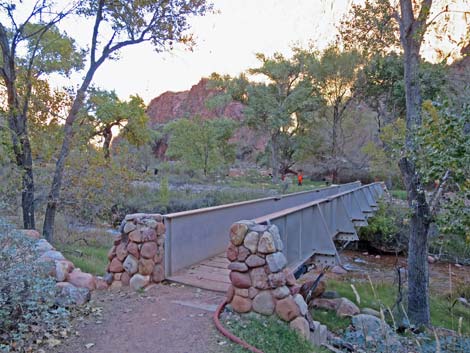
[227, 333]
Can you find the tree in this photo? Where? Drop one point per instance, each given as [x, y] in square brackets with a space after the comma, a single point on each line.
[106, 111]
[281, 107]
[120, 24]
[413, 19]
[47, 50]
[334, 76]
[201, 144]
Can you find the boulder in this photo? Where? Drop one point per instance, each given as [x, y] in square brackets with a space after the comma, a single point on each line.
[69, 295]
[290, 278]
[328, 304]
[159, 255]
[287, 309]
[281, 292]
[266, 244]
[115, 266]
[259, 278]
[241, 304]
[238, 266]
[263, 303]
[42, 245]
[237, 233]
[232, 252]
[101, 283]
[276, 237]
[146, 266]
[51, 255]
[299, 300]
[255, 261]
[139, 281]
[277, 279]
[347, 308]
[242, 292]
[158, 274]
[300, 324]
[129, 227]
[251, 241]
[252, 292]
[160, 228]
[133, 249]
[240, 280]
[369, 311]
[148, 250]
[108, 278]
[330, 294]
[149, 234]
[372, 328]
[136, 236]
[82, 279]
[131, 264]
[121, 251]
[243, 253]
[62, 269]
[276, 262]
[125, 279]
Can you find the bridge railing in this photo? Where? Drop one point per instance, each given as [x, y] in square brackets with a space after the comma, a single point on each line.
[193, 236]
[311, 228]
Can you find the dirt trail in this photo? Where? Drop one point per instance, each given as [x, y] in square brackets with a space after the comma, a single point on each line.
[165, 319]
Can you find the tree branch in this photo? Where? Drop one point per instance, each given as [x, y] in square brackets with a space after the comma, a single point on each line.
[434, 202]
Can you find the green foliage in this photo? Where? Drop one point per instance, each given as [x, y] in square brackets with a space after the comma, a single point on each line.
[164, 190]
[388, 229]
[201, 144]
[267, 334]
[28, 310]
[105, 111]
[91, 192]
[443, 145]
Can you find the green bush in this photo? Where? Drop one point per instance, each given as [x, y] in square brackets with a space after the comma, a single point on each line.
[28, 311]
[388, 229]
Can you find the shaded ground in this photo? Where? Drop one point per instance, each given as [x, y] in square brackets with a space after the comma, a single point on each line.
[164, 319]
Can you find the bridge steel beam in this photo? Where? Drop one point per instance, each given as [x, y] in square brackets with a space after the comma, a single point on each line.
[193, 236]
[309, 230]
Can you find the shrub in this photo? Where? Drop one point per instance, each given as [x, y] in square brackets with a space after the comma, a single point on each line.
[388, 230]
[28, 311]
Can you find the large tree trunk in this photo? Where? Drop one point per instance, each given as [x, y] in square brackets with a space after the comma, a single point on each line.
[21, 148]
[108, 136]
[274, 158]
[334, 145]
[54, 193]
[411, 36]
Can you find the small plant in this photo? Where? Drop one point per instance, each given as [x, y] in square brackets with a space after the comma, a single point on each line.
[28, 310]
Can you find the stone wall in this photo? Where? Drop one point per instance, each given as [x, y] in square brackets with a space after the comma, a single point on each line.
[260, 280]
[137, 257]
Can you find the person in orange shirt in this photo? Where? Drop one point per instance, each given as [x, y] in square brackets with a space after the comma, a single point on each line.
[300, 178]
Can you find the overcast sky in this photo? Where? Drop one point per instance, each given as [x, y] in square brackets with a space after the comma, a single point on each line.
[226, 43]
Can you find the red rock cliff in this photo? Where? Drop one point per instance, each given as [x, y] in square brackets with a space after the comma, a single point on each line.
[174, 105]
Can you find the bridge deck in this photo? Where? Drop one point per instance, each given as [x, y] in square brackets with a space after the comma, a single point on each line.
[211, 274]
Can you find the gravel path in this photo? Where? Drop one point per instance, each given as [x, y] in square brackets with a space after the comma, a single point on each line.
[164, 319]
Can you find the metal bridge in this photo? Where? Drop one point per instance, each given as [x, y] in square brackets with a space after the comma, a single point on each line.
[309, 223]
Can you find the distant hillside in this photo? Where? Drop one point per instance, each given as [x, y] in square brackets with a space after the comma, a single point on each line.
[174, 105]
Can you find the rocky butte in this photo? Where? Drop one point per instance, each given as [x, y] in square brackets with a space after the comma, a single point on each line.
[187, 104]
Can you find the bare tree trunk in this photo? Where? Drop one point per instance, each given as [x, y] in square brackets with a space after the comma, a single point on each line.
[411, 34]
[108, 135]
[274, 158]
[54, 193]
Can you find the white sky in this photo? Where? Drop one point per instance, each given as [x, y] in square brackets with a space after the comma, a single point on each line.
[226, 43]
